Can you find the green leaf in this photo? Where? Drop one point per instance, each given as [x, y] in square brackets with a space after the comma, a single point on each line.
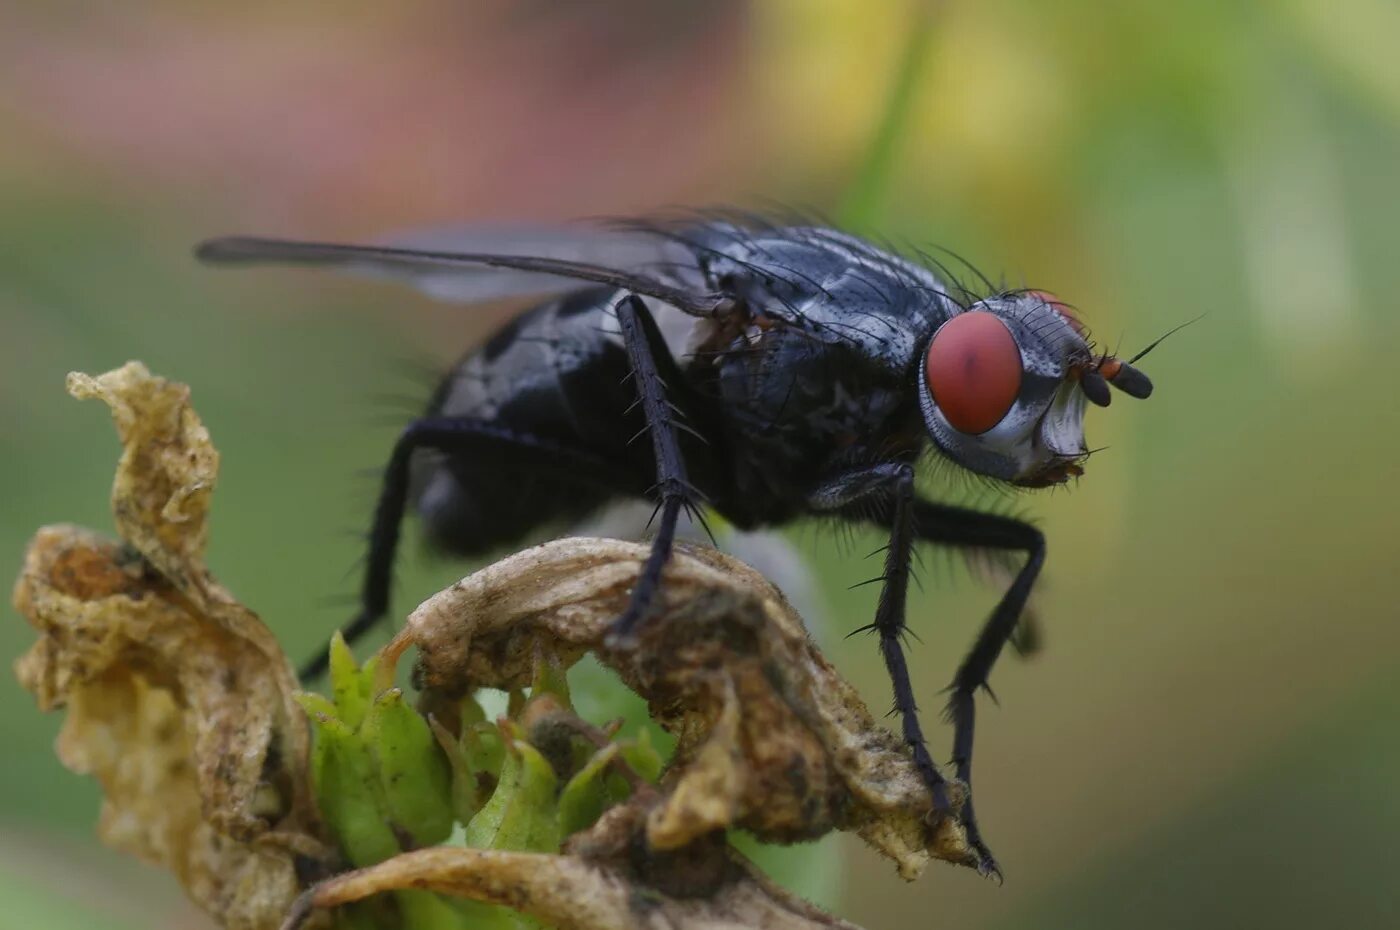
[643, 757]
[427, 910]
[414, 774]
[585, 797]
[521, 813]
[360, 915]
[351, 685]
[315, 705]
[349, 794]
[471, 711]
[550, 678]
[484, 750]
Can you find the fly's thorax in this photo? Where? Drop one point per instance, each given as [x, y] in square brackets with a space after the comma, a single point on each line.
[796, 409]
[835, 288]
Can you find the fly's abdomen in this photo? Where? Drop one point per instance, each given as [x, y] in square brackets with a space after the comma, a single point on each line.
[555, 373]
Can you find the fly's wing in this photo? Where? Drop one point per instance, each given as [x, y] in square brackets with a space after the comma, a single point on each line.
[475, 264]
[635, 251]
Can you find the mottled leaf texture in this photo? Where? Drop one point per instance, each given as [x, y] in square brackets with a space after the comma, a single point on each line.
[179, 701]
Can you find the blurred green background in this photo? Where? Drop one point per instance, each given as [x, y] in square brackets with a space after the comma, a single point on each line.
[1210, 737]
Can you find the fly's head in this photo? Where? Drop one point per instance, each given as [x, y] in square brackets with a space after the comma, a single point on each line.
[1004, 383]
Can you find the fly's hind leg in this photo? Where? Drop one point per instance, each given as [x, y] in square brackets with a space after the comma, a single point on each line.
[647, 351]
[456, 436]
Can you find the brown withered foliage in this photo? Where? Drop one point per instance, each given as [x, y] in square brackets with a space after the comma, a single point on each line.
[770, 737]
[180, 702]
[605, 885]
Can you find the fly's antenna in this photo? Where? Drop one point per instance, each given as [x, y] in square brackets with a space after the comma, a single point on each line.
[1158, 341]
[1124, 376]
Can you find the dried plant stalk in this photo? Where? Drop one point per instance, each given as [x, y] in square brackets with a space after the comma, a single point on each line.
[585, 893]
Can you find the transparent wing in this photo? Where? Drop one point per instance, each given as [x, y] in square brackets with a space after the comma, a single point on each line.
[474, 264]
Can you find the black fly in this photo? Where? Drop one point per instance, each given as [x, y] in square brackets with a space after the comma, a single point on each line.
[774, 372]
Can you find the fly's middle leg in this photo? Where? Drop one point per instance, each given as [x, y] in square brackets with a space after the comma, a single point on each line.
[646, 351]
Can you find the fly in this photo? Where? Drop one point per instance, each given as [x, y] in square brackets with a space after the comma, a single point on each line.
[770, 372]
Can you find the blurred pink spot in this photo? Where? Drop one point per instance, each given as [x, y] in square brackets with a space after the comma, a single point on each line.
[318, 121]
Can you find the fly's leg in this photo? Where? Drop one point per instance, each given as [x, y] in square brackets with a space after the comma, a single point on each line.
[895, 482]
[958, 526]
[454, 436]
[910, 518]
[673, 489]
[461, 436]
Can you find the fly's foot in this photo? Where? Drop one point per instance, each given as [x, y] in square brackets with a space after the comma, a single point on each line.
[619, 639]
[622, 635]
[986, 863]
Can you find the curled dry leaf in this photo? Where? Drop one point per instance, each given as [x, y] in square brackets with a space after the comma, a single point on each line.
[610, 887]
[770, 737]
[179, 700]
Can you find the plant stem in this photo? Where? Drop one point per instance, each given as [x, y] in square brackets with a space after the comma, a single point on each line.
[864, 199]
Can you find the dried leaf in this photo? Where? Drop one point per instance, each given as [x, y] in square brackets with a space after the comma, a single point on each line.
[182, 705]
[179, 700]
[708, 888]
[770, 737]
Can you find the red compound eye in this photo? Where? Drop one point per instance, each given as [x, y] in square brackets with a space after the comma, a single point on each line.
[974, 371]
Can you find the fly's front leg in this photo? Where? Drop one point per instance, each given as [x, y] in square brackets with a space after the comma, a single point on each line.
[910, 519]
[454, 436]
[894, 482]
[958, 526]
[643, 341]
